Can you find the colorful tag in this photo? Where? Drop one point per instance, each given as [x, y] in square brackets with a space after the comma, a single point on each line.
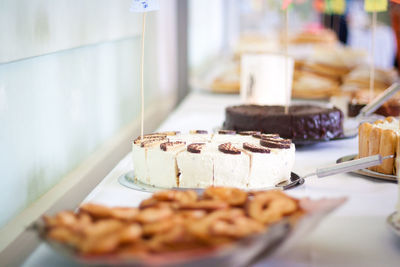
[144, 5]
[375, 5]
[286, 4]
[262, 79]
[335, 7]
[319, 5]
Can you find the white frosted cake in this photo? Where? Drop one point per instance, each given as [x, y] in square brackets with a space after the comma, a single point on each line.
[198, 159]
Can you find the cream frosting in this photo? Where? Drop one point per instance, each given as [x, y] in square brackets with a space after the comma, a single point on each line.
[212, 167]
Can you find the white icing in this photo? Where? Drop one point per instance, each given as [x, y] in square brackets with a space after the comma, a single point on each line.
[181, 168]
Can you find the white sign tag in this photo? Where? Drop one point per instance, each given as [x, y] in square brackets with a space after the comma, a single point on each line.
[144, 5]
[262, 79]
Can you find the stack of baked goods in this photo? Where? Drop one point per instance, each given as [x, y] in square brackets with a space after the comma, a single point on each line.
[356, 87]
[302, 122]
[314, 36]
[319, 70]
[172, 222]
[381, 137]
[198, 159]
[228, 79]
[321, 75]
[359, 79]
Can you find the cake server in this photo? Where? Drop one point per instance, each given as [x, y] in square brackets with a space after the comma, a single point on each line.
[347, 166]
[379, 100]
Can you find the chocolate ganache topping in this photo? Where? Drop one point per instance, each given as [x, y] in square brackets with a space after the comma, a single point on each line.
[303, 122]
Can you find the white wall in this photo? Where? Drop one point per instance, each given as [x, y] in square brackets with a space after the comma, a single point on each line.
[74, 85]
[206, 30]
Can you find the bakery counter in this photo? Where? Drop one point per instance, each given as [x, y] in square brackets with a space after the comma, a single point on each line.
[354, 235]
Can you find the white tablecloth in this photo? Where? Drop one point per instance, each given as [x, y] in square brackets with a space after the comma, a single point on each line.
[354, 235]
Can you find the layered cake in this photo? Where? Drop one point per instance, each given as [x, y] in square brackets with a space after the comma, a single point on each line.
[381, 137]
[198, 159]
[302, 122]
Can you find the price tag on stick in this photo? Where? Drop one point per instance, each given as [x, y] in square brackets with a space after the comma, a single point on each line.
[373, 6]
[143, 6]
[262, 79]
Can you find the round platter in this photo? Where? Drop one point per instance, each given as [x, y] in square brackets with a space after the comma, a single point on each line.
[128, 180]
[393, 224]
[305, 142]
[350, 130]
[368, 173]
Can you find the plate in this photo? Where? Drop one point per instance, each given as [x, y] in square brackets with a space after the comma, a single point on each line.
[245, 252]
[241, 253]
[369, 173]
[393, 224]
[128, 180]
[350, 130]
[306, 142]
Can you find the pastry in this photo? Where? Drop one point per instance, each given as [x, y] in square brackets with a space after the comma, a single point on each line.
[199, 160]
[307, 84]
[303, 122]
[360, 99]
[317, 36]
[381, 137]
[359, 79]
[175, 224]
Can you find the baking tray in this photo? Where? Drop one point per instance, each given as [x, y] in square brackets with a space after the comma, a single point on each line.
[279, 238]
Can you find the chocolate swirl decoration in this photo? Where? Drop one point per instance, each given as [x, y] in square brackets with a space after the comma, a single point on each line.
[153, 142]
[266, 136]
[228, 148]
[198, 132]
[276, 143]
[150, 137]
[256, 148]
[249, 132]
[195, 147]
[167, 146]
[227, 132]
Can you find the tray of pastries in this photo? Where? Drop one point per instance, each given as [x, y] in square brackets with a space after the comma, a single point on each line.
[380, 137]
[221, 227]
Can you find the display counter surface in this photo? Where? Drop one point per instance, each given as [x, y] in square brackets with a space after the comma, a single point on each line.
[354, 235]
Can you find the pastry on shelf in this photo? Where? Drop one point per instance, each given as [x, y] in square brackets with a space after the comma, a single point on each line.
[198, 159]
[321, 75]
[314, 36]
[359, 79]
[228, 80]
[309, 85]
[380, 137]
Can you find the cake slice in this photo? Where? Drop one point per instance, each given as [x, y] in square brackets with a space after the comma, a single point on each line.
[162, 166]
[196, 166]
[231, 166]
[139, 154]
[269, 166]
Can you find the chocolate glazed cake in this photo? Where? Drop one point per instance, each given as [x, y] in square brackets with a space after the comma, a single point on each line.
[303, 122]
